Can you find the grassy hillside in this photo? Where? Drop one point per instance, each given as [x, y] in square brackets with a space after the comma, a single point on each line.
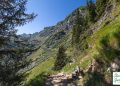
[43, 67]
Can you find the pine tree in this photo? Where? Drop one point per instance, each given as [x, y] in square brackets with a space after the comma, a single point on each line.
[12, 14]
[91, 10]
[77, 28]
[61, 59]
[100, 6]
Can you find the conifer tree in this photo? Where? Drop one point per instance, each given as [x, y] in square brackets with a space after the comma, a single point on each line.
[77, 28]
[61, 59]
[91, 10]
[100, 6]
[12, 14]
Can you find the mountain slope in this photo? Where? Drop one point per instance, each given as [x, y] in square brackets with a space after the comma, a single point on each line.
[101, 38]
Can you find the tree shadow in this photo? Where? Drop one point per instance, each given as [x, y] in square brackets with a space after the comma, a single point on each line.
[95, 79]
[109, 52]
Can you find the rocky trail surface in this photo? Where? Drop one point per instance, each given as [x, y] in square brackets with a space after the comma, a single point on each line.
[62, 80]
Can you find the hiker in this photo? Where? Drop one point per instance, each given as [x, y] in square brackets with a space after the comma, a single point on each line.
[77, 71]
[74, 75]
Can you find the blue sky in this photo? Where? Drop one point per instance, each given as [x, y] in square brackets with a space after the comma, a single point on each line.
[49, 13]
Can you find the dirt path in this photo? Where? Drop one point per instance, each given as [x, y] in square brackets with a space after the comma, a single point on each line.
[61, 80]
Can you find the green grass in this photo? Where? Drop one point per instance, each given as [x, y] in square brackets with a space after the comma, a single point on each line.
[116, 11]
[110, 28]
[43, 67]
[36, 54]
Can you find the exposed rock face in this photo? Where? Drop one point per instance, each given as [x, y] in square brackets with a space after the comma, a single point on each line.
[111, 6]
[48, 36]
